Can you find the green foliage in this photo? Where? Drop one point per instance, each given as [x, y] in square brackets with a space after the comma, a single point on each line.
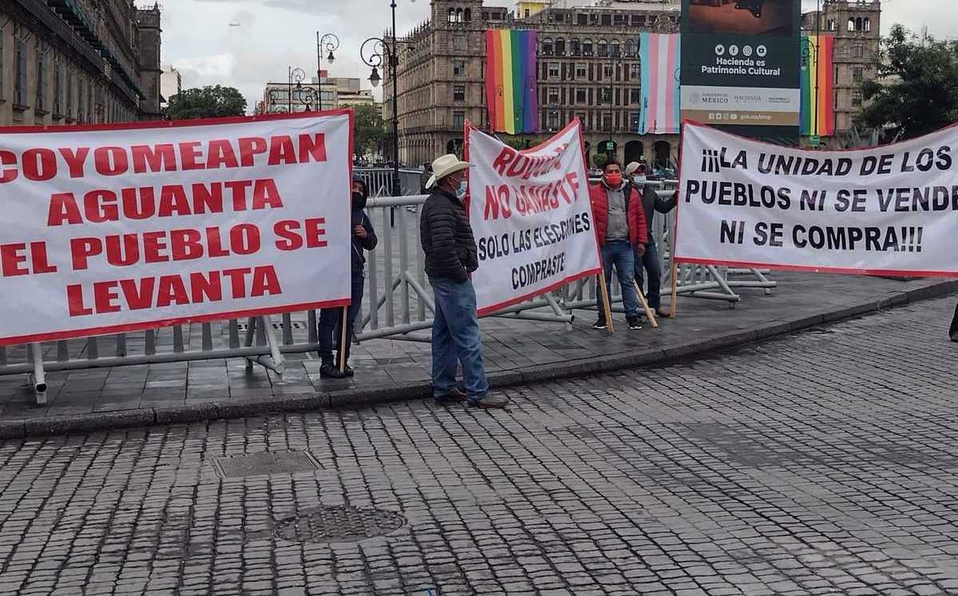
[917, 87]
[369, 129]
[207, 102]
[521, 142]
[599, 159]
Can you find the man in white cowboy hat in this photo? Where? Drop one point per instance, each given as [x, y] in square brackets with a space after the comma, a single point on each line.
[649, 262]
[451, 257]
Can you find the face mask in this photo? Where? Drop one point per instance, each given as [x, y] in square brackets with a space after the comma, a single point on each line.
[613, 180]
[640, 179]
[359, 200]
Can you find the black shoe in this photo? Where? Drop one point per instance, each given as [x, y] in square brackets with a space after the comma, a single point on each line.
[635, 323]
[600, 324]
[328, 371]
[455, 396]
[348, 371]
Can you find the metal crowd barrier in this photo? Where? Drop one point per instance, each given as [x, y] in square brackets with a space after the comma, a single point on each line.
[397, 303]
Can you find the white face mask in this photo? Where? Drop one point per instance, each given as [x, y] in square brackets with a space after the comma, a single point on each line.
[461, 191]
[640, 179]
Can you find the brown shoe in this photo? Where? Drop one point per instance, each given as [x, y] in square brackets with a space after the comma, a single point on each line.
[490, 401]
[663, 312]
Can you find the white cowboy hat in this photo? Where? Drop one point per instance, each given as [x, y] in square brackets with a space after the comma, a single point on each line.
[633, 168]
[444, 166]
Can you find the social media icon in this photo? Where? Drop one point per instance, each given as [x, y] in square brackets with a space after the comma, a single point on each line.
[762, 51]
[720, 50]
[747, 51]
[733, 50]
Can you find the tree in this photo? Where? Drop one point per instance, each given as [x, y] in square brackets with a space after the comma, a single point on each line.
[599, 160]
[521, 142]
[207, 102]
[369, 129]
[917, 87]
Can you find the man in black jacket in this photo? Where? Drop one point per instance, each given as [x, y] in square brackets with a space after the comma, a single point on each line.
[451, 257]
[330, 319]
[649, 262]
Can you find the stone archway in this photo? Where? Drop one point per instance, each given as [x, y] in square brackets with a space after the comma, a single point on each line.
[663, 153]
[633, 151]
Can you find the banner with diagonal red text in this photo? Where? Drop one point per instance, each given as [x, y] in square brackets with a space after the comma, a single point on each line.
[531, 216]
[883, 210]
[112, 229]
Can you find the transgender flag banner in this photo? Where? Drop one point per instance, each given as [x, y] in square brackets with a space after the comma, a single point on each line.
[661, 96]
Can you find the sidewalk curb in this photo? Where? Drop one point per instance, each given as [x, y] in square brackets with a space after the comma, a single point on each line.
[58, 425]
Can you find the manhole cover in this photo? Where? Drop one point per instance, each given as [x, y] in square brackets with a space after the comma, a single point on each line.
[261, 464]
[338, 524]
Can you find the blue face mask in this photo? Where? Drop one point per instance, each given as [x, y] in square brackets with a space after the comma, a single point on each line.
[461, 191]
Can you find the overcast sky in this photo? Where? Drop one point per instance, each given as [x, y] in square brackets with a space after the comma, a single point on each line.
[271, 35]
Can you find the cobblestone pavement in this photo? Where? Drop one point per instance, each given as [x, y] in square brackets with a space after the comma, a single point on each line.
[819, 464]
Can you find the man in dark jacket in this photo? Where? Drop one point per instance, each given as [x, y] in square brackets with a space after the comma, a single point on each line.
[330, 319]
[621, 231]
[451, 257]
[953, 332]
[649, 262]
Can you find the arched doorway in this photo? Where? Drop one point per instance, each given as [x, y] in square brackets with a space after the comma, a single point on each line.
[633, 151]
[455, 146]
[663, 151]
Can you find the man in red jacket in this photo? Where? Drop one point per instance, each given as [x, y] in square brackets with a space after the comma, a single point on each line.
[622, 233]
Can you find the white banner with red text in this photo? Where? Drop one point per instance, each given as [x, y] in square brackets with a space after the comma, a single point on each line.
[531, 216]
[111, 229]
[884, 210]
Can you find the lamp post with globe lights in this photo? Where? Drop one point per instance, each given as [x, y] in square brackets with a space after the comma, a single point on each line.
[327, 44]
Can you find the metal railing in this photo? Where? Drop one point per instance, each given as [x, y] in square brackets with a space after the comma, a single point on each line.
[397, 303]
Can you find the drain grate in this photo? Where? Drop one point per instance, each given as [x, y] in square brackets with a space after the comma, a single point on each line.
[263, 464]
[338, 524]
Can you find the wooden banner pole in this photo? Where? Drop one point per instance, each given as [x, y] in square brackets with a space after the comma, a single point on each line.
[605, 302]
[645, 305]
[342, 344]
[675, 274]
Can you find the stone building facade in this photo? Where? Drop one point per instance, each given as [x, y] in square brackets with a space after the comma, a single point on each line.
[856, 25]
[587, 67]
[78, 62]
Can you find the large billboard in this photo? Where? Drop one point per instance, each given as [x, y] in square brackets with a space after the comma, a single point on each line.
[740, 65]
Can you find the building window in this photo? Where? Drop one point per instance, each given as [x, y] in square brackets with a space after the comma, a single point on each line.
[526, 14]
[553, 96]
[633, 121]
[70, 95]
[608, 70]
[553, 70]
[607, 122]
[614, 49]
[458, 120]
[59, 88]
[605, 95]
[580, 96]
[547, 46]
[574, 48]
[20, 73]
[868, 24]
[858, 50]
[458, 68]
[582, 19]
[630, 49]
[81, 100]
[587, 47]
[606, 20]
[41, 104]
[635, 96]
[857, 98]
[602, 49]
[858, 74]
[851, 24]
[560, 47]
[580, 72]
[553, 120]
[459, 93]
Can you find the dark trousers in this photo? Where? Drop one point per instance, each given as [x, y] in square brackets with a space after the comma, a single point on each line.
[330, 320]
[953, 332]
[650, 262]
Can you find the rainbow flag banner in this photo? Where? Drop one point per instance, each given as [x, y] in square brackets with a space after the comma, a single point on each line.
[818, 86]
[661, 95]
[511, 81]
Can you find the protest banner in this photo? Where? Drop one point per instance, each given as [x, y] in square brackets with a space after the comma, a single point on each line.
[884, 210]
[130, 227]
[531, 216]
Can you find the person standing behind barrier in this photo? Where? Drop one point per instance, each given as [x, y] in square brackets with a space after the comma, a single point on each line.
[953, 332]
[649, 262]
[622, 233]
[451, 257]
[330, 319]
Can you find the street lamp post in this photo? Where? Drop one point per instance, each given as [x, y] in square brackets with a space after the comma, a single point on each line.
[377, 53]
[328, 44]
[297, 76]
[616, 63]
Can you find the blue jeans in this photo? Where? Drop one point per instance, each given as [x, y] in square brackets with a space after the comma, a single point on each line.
[455, 338]
[650, 262]
[330, 320]
[622, 255]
